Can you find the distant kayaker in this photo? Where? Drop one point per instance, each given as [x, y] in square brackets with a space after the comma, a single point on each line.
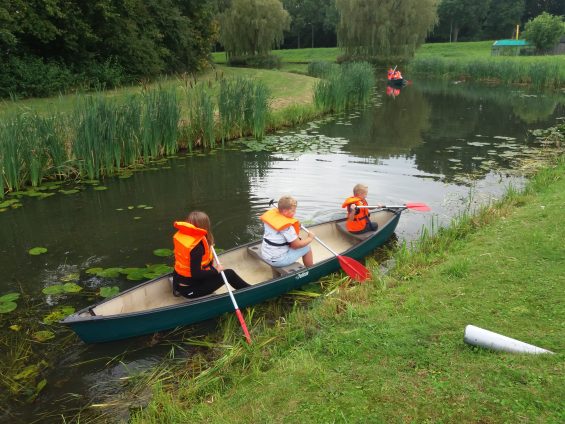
[281, 245]
[194, 273]
[358, 219]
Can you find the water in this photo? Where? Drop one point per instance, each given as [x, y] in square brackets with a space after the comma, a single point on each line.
[449, 146]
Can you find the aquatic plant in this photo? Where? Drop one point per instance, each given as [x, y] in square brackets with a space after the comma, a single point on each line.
[349, 85]
[321, 69]
[159, 122]
[243, 107]
[201, 122]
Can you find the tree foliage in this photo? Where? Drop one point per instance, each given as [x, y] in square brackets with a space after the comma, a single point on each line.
[384, 29]
[462, 14]
[253, 27]
[142, 38]
[311, 19]
[544, 31]
[502, 18]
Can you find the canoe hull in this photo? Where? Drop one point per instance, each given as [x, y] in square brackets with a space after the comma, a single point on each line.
[94, 329]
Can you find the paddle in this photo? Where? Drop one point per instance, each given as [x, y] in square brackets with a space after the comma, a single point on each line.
[237, 311]
[350, 266]
[420, 207]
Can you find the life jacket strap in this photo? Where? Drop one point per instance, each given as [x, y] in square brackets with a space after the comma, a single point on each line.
[272, 243]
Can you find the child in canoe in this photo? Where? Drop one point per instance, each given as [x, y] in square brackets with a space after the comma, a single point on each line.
[281, 245]
[194, 274]
[358, 219]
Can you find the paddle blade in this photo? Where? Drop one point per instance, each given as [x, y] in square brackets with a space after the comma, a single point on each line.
[354, 269]
[243, 326]
[421, 207]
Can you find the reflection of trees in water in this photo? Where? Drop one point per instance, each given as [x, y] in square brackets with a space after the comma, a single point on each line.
[534, 109]
[392, 129]
[529, 106]
[458, 115]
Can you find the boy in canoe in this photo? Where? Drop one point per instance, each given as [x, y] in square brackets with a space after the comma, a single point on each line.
[194, 274]
[281, 245]
[358, 219]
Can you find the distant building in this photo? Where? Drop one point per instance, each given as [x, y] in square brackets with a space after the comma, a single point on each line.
[510, 47]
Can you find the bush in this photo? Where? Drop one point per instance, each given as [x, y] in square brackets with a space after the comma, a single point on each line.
[100, 76]
[544, 31]
[321, 69]
[262, 62]
[32, 77]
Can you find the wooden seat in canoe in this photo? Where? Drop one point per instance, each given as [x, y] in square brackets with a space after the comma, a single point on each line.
[364, 236]
[255, 251]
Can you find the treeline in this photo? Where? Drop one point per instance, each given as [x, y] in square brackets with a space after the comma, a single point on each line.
[47, 47]
[314, 22]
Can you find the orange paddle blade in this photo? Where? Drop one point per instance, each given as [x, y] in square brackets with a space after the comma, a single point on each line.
[354, 269]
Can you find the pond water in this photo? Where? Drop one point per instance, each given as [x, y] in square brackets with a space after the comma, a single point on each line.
[449, 145]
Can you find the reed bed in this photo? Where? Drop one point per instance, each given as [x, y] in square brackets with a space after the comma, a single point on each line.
[344, 87]
[201, 120]
[546, 74]
[31, 147]
[321, 69]
[243, 106]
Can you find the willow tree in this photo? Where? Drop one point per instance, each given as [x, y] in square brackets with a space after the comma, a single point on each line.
[380, 30]
[253, 27]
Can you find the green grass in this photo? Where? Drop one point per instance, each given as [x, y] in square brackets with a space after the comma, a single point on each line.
[295, 55]
[393, 351]
[473, 60]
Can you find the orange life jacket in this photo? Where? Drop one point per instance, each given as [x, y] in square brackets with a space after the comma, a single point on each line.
[185, 239]
[361, 218]
[397, 75]
[278, 221]
[390, 74]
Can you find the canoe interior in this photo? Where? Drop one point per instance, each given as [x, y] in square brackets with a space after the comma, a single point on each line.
[158, 293]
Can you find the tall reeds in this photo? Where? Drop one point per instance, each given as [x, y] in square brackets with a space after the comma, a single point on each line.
[243, 105]
[201, 123]
[160, 118]
[349, 85]
[31, 147]
[546, 74]
[102, 134]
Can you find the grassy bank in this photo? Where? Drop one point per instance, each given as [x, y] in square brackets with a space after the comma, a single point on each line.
[473, 60]
[392, 350]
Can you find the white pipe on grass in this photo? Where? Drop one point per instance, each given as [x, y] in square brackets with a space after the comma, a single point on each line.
[483, 338]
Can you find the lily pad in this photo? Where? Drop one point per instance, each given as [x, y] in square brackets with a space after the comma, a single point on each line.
[70, 277]
[43, 336]
[160, 269]
[58, 314]
[37, 251]
[10, 297]
[94, 271]
[54, 289]
[6, 307]
[109, 273]
[71, 288]
[137, 275]
[72, 191]
[109, 291]
[163, 252]
[100, 188]
[15, 327]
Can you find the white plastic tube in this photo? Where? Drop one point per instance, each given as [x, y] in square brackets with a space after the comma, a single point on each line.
[483, 338]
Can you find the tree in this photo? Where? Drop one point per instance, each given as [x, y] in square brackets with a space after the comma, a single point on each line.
[253, 27]
[502, 18]
[384, 29]
[462, 14]
[536, 7]
[544, 31]
[310, 17]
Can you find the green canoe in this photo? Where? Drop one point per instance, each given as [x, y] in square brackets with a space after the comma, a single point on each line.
[151, 307]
